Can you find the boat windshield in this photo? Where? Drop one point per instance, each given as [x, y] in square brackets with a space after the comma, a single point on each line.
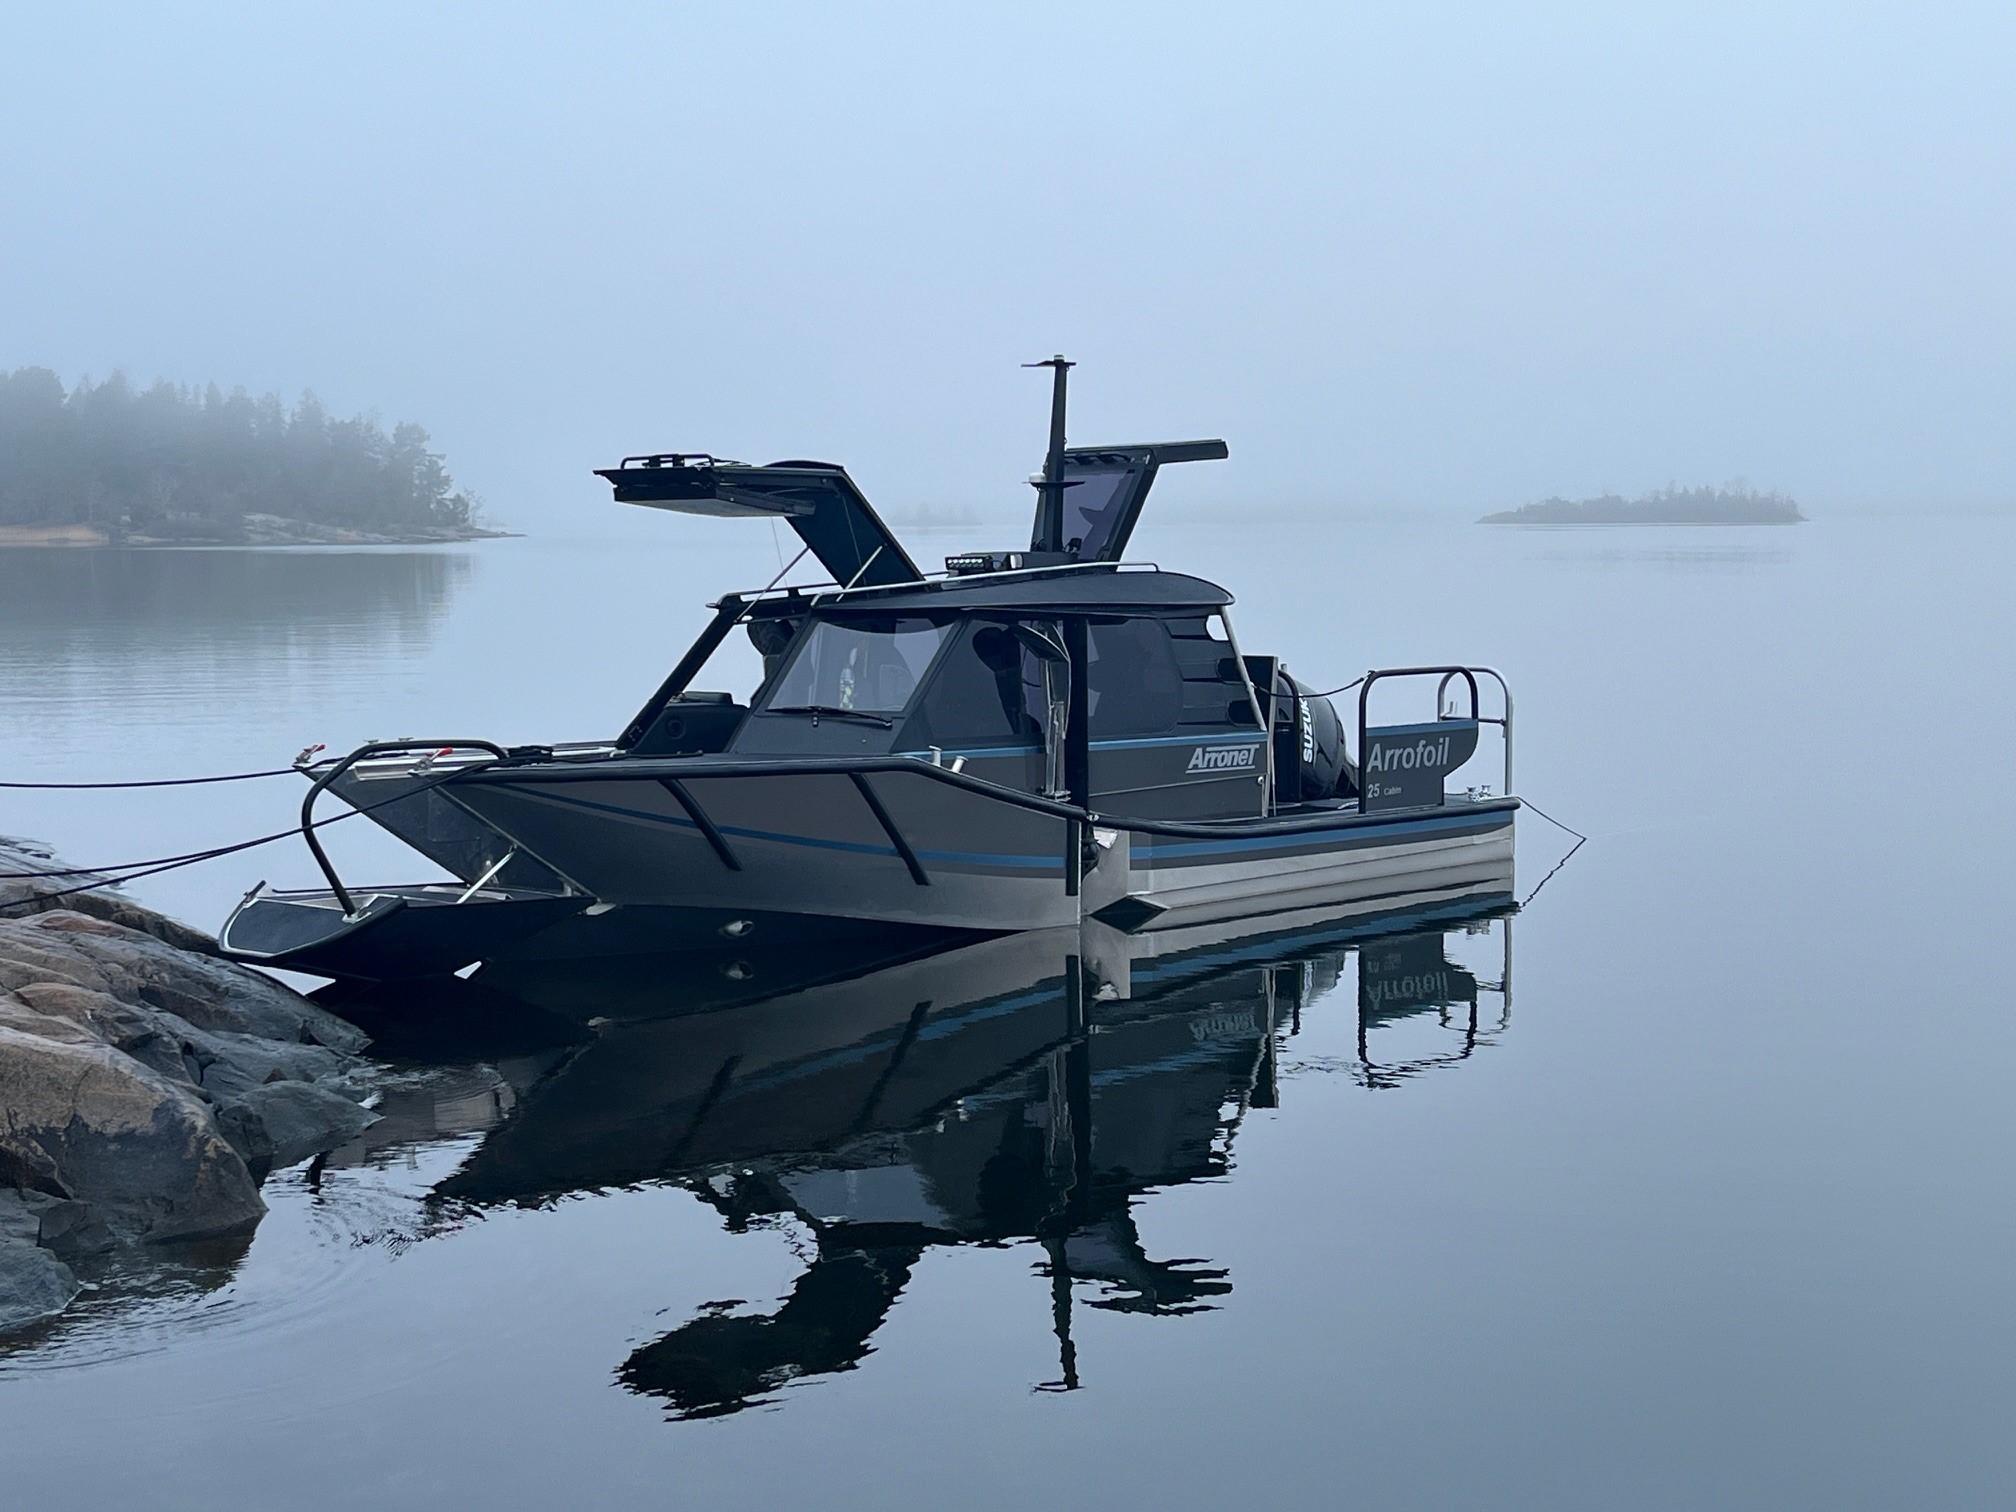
[858, 666]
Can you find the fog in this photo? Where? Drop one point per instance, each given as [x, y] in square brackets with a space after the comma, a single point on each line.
[1423, 257]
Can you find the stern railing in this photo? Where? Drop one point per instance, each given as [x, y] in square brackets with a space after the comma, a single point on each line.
[1448, 675]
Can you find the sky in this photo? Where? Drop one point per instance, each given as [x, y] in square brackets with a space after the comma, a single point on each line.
[1411, 256]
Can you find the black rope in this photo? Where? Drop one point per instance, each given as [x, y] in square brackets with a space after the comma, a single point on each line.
[1580, 841]
[133, 871]
[1580, 838]
[154, 782]
[186, 858]
[1332, 693]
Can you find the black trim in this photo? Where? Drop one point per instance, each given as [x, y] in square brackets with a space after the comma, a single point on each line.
[725, 614]
[895, 835]
[701, 822]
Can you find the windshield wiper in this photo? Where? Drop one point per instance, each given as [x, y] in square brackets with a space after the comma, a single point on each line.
[828, 711]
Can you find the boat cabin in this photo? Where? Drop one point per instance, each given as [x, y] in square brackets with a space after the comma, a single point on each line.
[977, 674]
[1054, 670]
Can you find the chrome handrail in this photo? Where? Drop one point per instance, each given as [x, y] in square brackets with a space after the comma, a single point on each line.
[1505, 724]
[1448, 675]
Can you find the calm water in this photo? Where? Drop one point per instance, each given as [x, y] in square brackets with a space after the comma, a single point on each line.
[1710, 1209]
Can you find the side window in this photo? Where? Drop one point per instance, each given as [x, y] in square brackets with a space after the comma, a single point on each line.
[976, 698]
[1214, 695]
[1135, 686]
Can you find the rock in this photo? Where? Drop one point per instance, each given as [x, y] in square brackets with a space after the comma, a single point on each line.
[73, 949]
[74, 1231]
[21, 896]
[221, 1064]
[284, 1123]
[34, 1284]
[144, 1083]
[21, 1214]
[88, 1122]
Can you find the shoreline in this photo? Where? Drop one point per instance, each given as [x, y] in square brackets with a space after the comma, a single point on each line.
[93, 537]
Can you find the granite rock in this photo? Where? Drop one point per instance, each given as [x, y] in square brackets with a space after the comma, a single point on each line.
[87, 1122]
[22, 895]
[34, 1283]
[145, 1083]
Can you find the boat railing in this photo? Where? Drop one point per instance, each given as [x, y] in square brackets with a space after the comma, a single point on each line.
[1447, 675]
[825, 592]
[364, 752]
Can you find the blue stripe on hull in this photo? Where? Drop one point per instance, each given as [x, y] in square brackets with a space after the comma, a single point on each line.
[1148, 851]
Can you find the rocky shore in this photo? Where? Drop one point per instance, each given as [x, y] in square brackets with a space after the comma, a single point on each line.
[147, 1086]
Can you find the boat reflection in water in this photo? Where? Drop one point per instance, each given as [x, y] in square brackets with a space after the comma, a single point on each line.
[1029, 1087]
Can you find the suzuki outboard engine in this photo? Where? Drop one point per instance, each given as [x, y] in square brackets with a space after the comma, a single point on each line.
[1310, 761]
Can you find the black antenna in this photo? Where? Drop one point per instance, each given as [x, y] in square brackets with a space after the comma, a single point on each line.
[1049, 534]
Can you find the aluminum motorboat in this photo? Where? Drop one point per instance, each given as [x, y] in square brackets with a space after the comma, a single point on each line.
[1027, 739]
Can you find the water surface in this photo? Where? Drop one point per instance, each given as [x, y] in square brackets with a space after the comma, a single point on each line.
[1709, 1210]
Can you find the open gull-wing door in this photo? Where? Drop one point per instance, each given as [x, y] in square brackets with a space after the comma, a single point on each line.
[817, 499]
[1104, 490]
[1089, 498]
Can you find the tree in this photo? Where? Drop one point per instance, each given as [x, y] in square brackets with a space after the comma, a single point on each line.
[180, 462]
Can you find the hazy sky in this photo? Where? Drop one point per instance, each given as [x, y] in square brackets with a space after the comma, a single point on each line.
[1416, 255]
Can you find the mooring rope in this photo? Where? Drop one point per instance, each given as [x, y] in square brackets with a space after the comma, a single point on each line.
[1580, 841]
[187, 858]
[133, 871]
[152, 782]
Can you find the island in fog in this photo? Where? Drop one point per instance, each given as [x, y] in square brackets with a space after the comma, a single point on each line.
[1732, 504]
[174, 465]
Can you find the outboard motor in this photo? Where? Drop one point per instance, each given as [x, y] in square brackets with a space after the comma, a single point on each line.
[1310, 760]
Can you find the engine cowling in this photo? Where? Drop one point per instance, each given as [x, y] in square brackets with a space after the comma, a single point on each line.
[1310, 759]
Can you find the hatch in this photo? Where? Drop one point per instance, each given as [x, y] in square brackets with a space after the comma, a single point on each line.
[817, 499]
[1089, 498]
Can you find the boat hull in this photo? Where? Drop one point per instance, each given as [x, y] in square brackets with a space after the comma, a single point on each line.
[898, 847]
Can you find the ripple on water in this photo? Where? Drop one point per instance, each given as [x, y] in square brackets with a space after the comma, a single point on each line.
[327, 1233]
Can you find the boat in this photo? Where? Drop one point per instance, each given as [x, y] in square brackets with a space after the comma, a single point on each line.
[1029, 739]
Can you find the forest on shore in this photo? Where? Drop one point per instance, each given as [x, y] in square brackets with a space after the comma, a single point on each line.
[1732, 504]
[174, 463]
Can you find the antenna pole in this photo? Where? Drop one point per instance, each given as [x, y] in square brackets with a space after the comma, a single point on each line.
[1049, 534]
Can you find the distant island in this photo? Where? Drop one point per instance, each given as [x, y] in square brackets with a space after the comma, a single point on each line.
[1732, 504]
[172, 465]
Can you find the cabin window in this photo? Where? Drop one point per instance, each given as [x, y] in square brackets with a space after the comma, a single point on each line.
[1135, 687]
[873, 666]
[1092, 508]
[977, 696]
